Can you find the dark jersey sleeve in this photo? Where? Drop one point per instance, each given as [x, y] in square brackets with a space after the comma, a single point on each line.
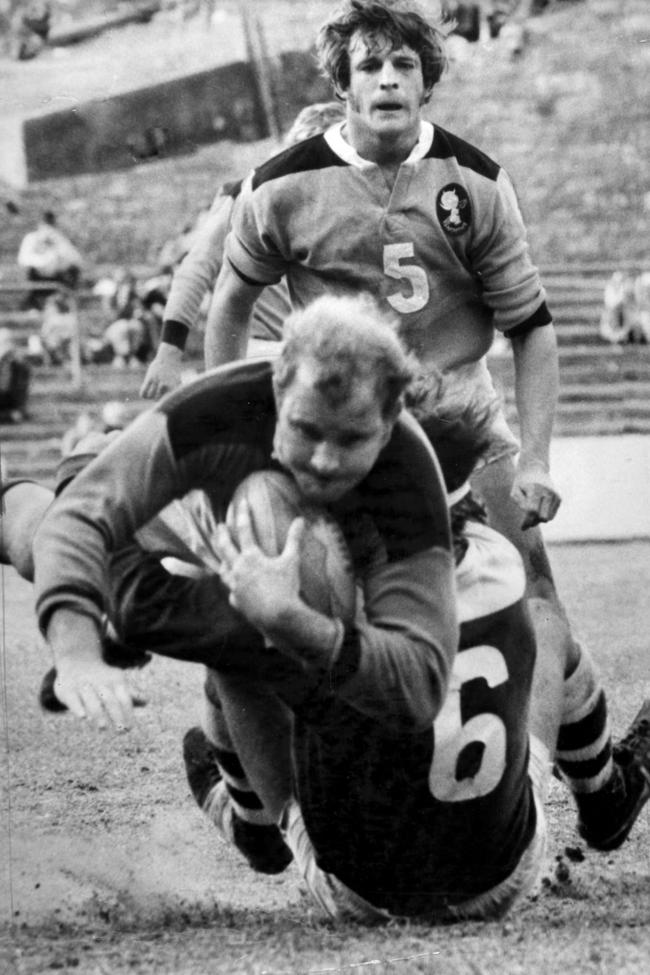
[207, 435]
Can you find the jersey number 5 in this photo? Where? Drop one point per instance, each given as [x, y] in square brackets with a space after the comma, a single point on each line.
[451, 736]
[394, 254]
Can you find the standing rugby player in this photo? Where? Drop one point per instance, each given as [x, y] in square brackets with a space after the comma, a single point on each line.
[389, 203]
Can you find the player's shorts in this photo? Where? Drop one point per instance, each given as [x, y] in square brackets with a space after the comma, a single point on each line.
[465, 392]
[340, 902]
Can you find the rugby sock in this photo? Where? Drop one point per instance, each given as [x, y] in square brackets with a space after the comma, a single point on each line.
[584, 747]
[216, 778]
[247, 805]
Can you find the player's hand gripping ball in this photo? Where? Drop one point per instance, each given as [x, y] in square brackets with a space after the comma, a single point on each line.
[326, 574]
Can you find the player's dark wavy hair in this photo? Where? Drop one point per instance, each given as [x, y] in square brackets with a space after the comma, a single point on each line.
[400, 22]
[347, 338]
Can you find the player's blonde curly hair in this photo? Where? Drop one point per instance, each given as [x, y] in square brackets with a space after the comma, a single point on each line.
[347, 338]
[398, 22]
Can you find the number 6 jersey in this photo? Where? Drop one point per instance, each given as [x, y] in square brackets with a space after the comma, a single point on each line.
[420, 821]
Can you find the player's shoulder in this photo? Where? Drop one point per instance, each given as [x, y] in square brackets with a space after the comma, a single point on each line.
[307, 156]
[405, 494]
[447, 145]
[231, 402]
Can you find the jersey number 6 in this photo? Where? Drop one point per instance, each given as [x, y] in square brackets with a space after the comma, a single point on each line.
[417, 279]
[451, 736]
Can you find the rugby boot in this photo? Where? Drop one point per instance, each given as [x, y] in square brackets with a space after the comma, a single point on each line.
[607, 816]
[261, 844]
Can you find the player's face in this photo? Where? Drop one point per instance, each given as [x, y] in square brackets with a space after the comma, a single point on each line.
[329, 448]
[385, 95]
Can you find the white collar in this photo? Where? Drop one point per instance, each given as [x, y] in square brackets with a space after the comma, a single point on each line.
[334, 138]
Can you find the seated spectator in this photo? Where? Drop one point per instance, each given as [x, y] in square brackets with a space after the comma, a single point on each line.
[48, 256]
[642, 300]
[14, 380]
[128, 339]
[134, 313]
[58, 329]
[30, 29]
[118, 294]
[620, 321]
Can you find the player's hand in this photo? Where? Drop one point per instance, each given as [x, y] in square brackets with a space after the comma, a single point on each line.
[90, 688]
[533, 490]
[261, 587]
[96, 692]
[164, 372]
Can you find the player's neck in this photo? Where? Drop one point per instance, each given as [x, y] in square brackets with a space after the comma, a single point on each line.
[388, 151]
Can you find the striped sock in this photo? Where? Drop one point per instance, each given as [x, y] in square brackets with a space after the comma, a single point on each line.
[245, 801]
[584, 747]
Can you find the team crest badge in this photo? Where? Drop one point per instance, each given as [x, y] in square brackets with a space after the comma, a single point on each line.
[453, 208]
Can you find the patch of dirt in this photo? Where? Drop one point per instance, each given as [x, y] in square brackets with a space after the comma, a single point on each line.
[107, 866]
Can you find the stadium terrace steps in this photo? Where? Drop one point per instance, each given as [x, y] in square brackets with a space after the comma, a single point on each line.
[604, 389]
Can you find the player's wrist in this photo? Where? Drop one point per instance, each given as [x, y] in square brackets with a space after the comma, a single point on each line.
[306, 634]
[174, 334]
[534, 460]
[73, 637]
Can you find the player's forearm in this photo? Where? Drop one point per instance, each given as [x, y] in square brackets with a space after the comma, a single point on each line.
[536, 391]
[394, 666]
[305, 635]
[197, 273]
[194, 278]
[226, 332]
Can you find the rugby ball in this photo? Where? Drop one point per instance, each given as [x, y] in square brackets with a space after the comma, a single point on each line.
[326, 574]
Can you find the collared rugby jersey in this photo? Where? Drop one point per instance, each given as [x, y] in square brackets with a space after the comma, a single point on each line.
[208, 435]
[445, 248]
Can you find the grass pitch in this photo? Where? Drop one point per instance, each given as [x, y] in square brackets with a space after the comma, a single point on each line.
[108, 867]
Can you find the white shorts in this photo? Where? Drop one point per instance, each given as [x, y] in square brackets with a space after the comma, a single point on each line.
[339, 902]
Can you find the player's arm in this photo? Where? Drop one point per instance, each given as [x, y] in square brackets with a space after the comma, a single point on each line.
[194, 278]
[226, 332]
[513, 290]
[392, 662]
[253, 259]
[89, 687]
[97, 513]
[536, 392]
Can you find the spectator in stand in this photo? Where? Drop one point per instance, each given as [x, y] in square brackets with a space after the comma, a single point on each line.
[49, 257]
[642, 299]
[128, 338]
[30, 29]
[14, 380]
[58, 328]
[625, 317]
